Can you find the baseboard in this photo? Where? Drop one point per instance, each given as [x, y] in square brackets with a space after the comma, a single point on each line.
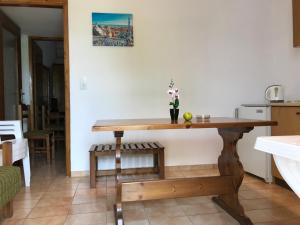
[191, 167]
[145, 170]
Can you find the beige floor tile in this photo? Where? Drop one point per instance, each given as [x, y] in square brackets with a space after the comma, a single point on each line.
[194, 200]
[63, 187]
[286, 201]
[36, 188]
[270, 215]
[110, 201]
[211, 219]
[96, 192]
[111, 183]
[54, 201]
[56, 220]
[201, 173]
[249, 178]
[133, 205]
[138, 222]
[278, 193]
[99, 184]
[271, 223]
[164, 211]
[172, 174]
[134, 215]
[258, 184]
[109, 178]
[110, 217]
[87, 199]
[56, 194]
[20, 214]
[88, 208]
[83, 186]
[21, 196]
[265, 215]
[86, 219]
[294, 210]
[251, 194]
[111, 190]
[12, 222]
[204, 208]
[261, 203]
[174, 221]
[25, 204]
[229, 219]
[48, 211]
[295, 221]
[283, 222]
[158, 203]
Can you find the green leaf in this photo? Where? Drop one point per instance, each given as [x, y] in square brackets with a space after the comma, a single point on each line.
[176, 103]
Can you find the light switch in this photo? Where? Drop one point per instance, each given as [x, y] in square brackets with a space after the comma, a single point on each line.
[83, 83]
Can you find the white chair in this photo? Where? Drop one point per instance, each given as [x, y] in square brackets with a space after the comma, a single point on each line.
[20, 150]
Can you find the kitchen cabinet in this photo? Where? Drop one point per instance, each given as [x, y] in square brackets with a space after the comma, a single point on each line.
[296, 22]
[288, 118]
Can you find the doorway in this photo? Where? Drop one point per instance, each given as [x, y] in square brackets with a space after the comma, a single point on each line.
[48, 81]
[60, 4]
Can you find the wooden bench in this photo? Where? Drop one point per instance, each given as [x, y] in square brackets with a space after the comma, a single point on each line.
[154, 148]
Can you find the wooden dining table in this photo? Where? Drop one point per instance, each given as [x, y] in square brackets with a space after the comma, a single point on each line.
[225, 187]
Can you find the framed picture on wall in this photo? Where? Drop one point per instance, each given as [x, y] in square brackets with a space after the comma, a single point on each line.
[112, 29]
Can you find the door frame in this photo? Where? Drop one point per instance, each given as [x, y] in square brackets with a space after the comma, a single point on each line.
[63, 4]
[9, 25]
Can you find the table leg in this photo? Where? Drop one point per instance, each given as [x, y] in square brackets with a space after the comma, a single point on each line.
[26, 166]
[229, 164]
[48, 149]
[118, 205]
[53, 146]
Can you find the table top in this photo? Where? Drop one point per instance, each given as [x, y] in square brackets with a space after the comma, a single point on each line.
[159, 124]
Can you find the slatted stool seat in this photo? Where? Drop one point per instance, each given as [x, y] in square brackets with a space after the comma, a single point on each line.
[154, 148]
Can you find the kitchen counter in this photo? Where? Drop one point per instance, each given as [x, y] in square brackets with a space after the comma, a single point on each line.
[295, 104]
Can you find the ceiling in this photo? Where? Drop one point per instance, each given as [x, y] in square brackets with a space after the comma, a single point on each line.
[44, 22]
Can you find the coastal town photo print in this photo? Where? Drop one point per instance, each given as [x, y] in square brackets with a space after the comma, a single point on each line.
[112, 29]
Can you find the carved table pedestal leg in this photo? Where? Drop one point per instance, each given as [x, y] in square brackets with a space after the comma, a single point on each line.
[229, 164]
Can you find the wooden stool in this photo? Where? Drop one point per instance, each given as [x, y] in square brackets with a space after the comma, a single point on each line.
[47, 146]
[154, 148]
[44, 136]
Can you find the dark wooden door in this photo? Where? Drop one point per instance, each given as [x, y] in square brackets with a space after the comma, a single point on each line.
[10, 68]
[40, 84]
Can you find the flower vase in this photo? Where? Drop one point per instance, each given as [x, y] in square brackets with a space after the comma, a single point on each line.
[174, 114]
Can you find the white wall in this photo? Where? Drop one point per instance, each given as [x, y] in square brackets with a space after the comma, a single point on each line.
[220, 54]
[49, 52]
[49, 49]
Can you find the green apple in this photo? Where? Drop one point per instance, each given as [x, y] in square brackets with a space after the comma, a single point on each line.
[187, 116]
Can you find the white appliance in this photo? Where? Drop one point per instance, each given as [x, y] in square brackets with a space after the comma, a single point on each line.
[274, 93]
[255, 162]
